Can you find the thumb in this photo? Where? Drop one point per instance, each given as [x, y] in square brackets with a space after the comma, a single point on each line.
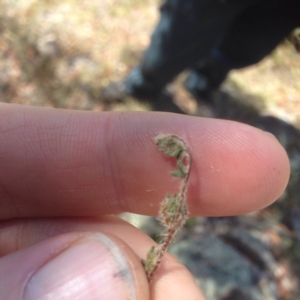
[74, 266]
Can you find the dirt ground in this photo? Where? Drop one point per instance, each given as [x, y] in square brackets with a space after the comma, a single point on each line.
[62, 54]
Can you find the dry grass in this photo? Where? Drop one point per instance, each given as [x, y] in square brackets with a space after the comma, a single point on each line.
[276, 80]
[61, 53]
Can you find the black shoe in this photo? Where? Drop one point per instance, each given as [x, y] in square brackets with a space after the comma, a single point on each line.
[140, 87]
[165, 102]
[198, 87]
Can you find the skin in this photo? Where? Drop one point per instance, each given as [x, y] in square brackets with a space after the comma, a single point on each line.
[64, 174]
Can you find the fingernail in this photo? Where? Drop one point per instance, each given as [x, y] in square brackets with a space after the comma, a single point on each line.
[92, 268]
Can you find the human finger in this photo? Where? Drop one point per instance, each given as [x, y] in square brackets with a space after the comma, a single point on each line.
[172, 279]
[77, 265]
[74, 163]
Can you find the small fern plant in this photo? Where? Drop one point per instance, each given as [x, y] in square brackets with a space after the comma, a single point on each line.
[173, 209]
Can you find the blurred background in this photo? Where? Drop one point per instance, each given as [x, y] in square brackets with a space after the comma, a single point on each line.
[65, 53]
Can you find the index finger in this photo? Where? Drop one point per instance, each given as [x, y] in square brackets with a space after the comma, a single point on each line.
[74, 163]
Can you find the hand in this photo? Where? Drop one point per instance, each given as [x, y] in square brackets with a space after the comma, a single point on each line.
[63, 174]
